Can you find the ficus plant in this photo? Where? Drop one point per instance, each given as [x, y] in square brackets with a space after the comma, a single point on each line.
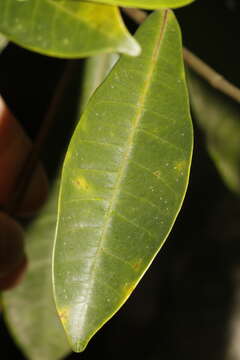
[125, 172]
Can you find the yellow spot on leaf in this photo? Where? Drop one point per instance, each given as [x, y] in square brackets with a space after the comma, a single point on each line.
[128, 288]
[63, 314]
[82, 183]
[180, 166]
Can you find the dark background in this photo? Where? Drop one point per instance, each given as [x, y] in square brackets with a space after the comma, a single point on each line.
[188, 304]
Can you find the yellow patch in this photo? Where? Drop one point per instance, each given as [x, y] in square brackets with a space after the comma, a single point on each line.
[128, 288]
[63, 314]
[180, 166]
[82, 183]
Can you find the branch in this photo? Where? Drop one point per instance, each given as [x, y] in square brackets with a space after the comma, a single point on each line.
[200, 67]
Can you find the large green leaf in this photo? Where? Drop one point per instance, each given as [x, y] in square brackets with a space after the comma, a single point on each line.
[65, 28]
[29, 309]
[219, 118]
[147, 4]
[124, 180]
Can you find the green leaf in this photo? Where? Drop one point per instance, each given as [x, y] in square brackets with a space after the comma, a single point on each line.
[29, 308]
[124, 179]
[219, 117]
[146, 4]
[3, 43]
[67, 28]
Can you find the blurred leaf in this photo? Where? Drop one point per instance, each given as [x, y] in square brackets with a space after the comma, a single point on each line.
[147, 4]
[29, 309]
[124, 179]
[68, 28]
[3, 43]
[219, 118]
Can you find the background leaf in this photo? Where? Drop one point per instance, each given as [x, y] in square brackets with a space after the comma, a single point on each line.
[124, 179]
[219, 118]
[147, 4]
[29, 309]
[37, 329]
[3, 43]
[68, 28]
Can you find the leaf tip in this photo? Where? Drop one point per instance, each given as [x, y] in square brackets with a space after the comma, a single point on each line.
[78, 343]
[78, 336]
[80, 346]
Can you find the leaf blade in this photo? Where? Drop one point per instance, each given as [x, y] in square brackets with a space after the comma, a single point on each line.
[29, 309]
[114, 171]
[66, 27]
[219, 118]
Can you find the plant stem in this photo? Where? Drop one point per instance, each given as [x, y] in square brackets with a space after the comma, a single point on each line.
[138, 16]
[210, 75]
[200, 67]
[32, 159]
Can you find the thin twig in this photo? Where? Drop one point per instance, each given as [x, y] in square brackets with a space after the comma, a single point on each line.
[211, 76]
[138, 16]
[32, 159]
[200, 67]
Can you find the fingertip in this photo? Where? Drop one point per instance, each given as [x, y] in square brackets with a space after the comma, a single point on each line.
[14, 277]
[12, 251]
[36, 194]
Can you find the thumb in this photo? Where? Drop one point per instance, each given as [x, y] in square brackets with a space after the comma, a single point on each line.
[14, 149]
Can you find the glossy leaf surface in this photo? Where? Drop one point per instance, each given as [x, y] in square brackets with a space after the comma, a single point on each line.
[29, 309]
[219, 117]
[65, 28]
[124, 180]
[147, 4]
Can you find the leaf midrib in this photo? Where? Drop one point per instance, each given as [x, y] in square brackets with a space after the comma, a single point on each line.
[122, 170]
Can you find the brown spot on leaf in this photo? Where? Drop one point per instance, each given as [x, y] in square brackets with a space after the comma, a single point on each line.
[136, 266]
[157, 173]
